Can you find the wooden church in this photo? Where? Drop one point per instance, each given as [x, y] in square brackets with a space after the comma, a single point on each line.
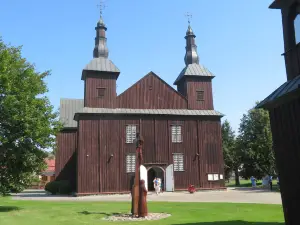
[181, 129]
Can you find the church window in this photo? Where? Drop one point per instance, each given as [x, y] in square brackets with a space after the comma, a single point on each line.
[100, 92]
[130, 163]
[130, 133]
[178, 161]
[176, 133]
[200, 95]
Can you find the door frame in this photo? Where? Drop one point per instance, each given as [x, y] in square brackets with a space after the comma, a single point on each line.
[164, 172]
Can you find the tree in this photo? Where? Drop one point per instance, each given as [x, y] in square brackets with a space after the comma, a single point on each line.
[27, 122]
[231, 157]
[255, 144]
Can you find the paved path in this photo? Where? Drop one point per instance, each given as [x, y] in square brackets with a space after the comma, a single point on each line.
[240, 195]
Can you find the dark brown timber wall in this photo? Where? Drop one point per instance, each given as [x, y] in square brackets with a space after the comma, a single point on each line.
[95, 81]
[285, 124]
[102, 151]
[151, 92]
[65, 158]
[204, 85]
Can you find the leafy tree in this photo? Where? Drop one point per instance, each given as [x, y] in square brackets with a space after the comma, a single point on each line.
[27, 122]
[231, 157]
[255, 144]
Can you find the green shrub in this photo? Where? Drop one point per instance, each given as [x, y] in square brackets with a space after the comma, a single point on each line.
[58, 187]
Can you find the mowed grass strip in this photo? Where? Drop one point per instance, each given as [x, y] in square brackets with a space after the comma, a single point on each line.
[90, 213]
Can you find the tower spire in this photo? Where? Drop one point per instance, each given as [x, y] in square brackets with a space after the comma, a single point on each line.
[191, 55]
[100, 49]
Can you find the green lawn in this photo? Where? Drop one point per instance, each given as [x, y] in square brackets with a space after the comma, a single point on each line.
[90, 213]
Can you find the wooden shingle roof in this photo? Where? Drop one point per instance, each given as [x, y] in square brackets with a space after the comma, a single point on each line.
[67, 110]
[173, 112]
[100, 64]
[194, 70]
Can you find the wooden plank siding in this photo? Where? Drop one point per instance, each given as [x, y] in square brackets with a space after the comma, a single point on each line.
[192, 86]
[285, 120]
[92, 83]
[188, 147]
[102, 136]
[151, 93]
[65, 162]
[89, 163]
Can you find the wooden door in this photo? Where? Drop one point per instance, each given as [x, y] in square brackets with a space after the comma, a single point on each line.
[144, 175]
[170, 178]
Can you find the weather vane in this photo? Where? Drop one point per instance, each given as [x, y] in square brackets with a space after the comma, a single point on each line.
[102, 6]
[189, 16]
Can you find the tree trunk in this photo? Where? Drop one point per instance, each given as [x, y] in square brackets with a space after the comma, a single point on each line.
[237, 177]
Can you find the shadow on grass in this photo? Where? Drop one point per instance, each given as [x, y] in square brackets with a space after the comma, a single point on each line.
[8, 208]
[235, 222]
[100, 213]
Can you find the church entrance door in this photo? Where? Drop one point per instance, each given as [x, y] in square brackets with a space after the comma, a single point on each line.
[153, 172]
[170, 178]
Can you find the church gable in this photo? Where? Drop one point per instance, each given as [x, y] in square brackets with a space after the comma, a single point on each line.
[151, 92]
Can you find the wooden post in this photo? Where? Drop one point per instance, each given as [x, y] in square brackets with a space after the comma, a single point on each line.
[136, 186]
[135, 194]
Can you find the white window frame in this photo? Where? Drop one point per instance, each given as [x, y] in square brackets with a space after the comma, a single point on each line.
[213, 177]
[178, 162]
[130, 133]
[176, 133]
[130, 163]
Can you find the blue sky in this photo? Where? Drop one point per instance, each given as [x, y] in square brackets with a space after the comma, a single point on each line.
[239, 41]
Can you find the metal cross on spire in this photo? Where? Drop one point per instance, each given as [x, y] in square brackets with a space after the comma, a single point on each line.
[102, 6]
[189, 16]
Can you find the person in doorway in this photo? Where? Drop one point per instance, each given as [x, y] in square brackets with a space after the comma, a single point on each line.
[156, 185]
[253, 181]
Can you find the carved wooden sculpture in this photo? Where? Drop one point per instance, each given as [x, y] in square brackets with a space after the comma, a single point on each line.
[139, 191]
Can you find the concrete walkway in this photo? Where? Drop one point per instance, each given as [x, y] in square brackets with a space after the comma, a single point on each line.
[233, 195]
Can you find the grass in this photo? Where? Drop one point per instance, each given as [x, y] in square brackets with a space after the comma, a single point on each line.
[90, 213]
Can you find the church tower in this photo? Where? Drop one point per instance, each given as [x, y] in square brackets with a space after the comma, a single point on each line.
[194, 81]
[100, 75]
